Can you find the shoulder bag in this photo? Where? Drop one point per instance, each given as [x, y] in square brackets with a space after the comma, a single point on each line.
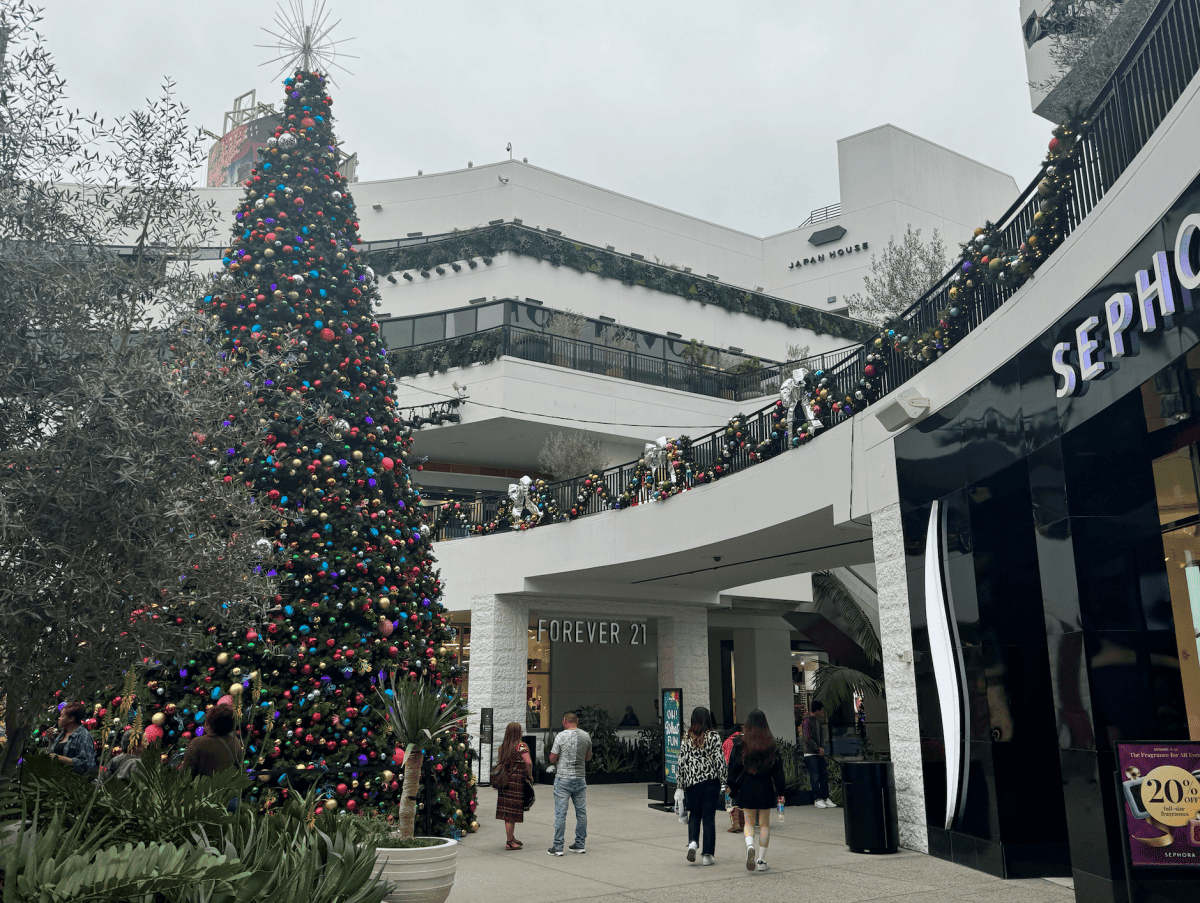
[530, 796]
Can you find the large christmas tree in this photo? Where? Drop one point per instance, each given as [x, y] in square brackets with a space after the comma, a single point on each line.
[358, 595]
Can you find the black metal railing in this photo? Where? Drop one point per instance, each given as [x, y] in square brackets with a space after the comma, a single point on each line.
[821, 214]
[1159, 65]
[591, 357]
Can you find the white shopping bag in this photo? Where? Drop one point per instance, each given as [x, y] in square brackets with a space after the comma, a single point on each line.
[679, 810]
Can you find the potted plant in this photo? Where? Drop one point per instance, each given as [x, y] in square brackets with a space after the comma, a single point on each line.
[421, 869]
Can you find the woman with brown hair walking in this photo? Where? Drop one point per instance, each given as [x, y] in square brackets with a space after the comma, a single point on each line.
[756, 780]
[513, 768]
[701, 774]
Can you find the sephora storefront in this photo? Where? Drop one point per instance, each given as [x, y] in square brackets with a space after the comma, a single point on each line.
[1052, 535]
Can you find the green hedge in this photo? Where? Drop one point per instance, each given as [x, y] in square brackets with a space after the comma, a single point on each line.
[438, 357]
[490, 241]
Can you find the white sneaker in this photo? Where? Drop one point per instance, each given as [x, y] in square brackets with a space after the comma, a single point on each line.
[820, 804]
[691, 852]
[760, 866]
[830, 804]
[706, 859]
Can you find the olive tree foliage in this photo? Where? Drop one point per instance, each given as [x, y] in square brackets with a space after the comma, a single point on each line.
[899, 276]
[119, 538]
[1087, 40]
[572, 453]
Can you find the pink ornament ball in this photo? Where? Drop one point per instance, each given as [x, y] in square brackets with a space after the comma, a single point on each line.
[153, 734]
[388, 463]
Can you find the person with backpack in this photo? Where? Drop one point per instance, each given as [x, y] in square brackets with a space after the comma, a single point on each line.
[756, 780]
[737, 820]
[701, 773]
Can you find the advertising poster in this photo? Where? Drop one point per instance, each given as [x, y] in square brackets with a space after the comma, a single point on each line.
[672, 702]
[1160, 786]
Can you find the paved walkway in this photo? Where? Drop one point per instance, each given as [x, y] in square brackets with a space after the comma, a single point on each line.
[637, 854]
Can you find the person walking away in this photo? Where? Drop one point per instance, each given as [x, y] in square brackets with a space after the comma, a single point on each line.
[570, 754]
[756, 779]
[72, 744]
[701, 773]
[516, 765]
[812, 732]
[737, 819]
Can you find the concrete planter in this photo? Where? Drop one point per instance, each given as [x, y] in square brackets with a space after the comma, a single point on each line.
[419, 875]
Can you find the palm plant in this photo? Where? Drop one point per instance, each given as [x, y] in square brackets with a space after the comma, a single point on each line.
[416, 715]
[837, 684]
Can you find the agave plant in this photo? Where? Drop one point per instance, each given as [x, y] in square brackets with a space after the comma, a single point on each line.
[416, 714]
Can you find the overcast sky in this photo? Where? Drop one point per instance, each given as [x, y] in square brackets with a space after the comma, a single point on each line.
[726, 111]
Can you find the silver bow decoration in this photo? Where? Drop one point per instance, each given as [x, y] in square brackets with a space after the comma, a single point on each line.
[656, 456]
[792, 393]
[522, 498]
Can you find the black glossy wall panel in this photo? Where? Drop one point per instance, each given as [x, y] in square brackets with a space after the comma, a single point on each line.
[1053, 562]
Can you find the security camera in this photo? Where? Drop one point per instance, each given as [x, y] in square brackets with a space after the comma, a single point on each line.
[503, 181]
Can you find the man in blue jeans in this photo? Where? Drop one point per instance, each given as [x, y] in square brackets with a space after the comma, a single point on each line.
[812, 734]
[570, 754]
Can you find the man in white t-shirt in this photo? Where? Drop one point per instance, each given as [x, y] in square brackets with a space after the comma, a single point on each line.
[570, 754]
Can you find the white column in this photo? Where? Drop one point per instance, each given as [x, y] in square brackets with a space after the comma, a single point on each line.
[683, 656]
[762, 667]
[895, 629]
[499, 652]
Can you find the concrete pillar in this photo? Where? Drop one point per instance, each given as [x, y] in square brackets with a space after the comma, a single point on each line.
[895, 636]
[499, 649]
[683, 656]
[762, 670]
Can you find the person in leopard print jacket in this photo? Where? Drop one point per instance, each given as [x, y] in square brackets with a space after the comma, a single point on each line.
[701, 773]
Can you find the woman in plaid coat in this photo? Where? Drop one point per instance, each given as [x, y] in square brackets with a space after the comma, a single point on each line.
[514, 762]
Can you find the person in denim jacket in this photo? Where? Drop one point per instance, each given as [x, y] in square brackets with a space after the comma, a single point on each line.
[72, 744]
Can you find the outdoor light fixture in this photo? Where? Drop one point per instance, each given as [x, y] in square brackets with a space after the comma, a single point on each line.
[902, 410]
[495, 222]
[391, 278]
[377, 206]
[441, 271]
[407, 276]
[415, 234]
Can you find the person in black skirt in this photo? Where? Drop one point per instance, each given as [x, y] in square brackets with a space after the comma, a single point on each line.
[756, 780]
[701, 774]
[513, 762]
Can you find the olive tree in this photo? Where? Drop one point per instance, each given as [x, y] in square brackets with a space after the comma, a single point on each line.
[899, 276]
[119, 539]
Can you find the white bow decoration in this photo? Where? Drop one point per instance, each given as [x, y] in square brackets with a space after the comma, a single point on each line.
[656, 456]
[792, 393]
[521, 498]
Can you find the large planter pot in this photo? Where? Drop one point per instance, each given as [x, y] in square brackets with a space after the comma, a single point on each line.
[869, 807]
[421, 874]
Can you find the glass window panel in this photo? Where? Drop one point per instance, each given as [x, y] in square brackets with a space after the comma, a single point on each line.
[429, 329]
[674, 349]
[1182, 548]
[490, 316]
[463, 322]
[397, 333]
[1175, 485]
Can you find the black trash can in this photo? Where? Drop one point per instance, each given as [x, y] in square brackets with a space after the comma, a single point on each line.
[869, 807]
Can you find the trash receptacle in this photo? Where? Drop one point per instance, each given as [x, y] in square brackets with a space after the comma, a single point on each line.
[869, 807]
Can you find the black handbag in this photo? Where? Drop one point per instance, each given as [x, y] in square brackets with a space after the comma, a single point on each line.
[500, 776]
[530, 796]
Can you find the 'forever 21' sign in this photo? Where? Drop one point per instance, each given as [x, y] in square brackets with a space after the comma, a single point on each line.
[563, 630]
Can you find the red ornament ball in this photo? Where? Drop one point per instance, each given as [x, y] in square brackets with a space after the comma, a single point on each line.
[327, 334]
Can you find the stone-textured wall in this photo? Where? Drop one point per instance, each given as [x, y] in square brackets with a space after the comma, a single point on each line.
[499, 652]
[899, 676]
[683, 653]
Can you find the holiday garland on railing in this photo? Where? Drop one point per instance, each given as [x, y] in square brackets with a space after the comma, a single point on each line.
[986, 260]
[438, 357]
[489, 241]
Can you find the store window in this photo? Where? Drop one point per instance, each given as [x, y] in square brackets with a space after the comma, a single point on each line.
[1170, 404]
[537, 682]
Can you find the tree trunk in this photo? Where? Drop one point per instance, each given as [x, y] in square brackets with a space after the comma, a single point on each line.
[12, 750]
[413, 760]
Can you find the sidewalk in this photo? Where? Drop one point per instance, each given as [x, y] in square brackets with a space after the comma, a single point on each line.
[637, 854]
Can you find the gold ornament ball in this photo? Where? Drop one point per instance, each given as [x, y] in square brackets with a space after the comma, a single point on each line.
[385, 603]
[330, 805]
[474, 826]
[158, 718]
[235, 690]
[357, 456]
[458, 813]
[441, 650]
[223, 658]
[388, 774]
